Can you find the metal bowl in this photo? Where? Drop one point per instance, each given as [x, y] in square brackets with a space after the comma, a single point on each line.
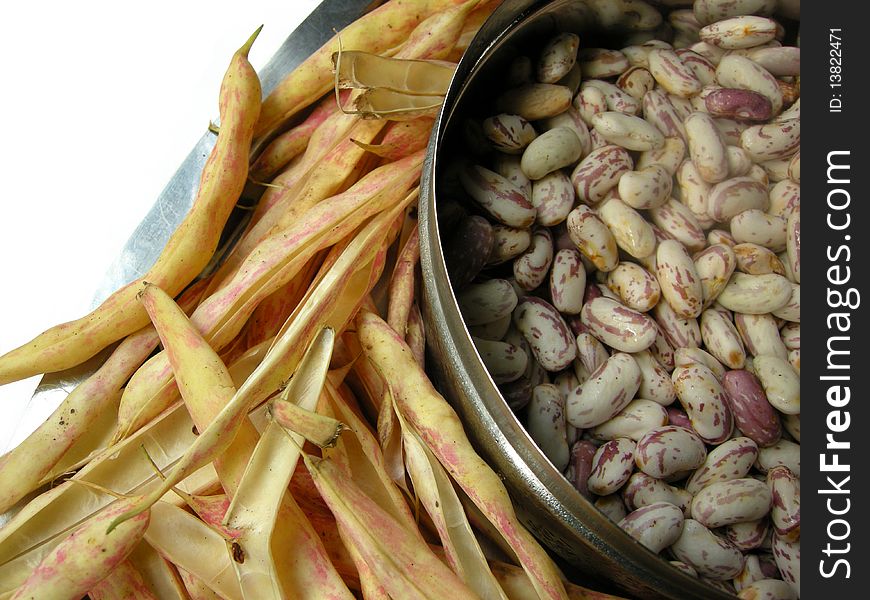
[578, 535]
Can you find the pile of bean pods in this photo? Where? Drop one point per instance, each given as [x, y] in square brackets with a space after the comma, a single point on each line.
[623, 237]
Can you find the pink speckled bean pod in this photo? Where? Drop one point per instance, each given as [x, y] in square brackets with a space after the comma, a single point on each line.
[712, 557]
[608, 390]
[617, 325]
[612, 465]
[753, 414]
[656, 526]
[632, 422]
[733, 501]
[599, 172]
[705, 401]
[669, 451]
[503, 200]
[785, 513]
[532, 266]
[545, 330]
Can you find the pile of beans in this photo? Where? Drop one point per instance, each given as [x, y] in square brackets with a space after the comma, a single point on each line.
[623, 237]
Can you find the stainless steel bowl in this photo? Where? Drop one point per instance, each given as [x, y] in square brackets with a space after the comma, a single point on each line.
[566, 523]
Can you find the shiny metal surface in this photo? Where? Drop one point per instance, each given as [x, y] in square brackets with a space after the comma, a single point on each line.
[555, 512]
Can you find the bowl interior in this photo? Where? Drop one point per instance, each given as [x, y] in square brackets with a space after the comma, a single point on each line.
[566, 523]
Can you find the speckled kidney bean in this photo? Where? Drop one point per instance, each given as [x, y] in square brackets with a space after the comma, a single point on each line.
[636, 81]
[535, 101]
[772, 140]
[658, 110]
[721, 338]
[785, 513]
[733, 196]
[486, 301]
[784, 453]
[794, 168]
[747, 535]
[684, 357]
[552, 150]
[701, 66]
[508, 243]
[656, 384]
[530, 269]
[616, 99]
[705, 402]
[670, 72]
[680, 332]
[740, 104]
[553, 197]
[734, 71]
[733, 501]
[669, 451]
[709, 11]
[632, 422]
[646, 188]
[712, 53]
[679, 223]
[781, 383]
[706, 147]
[755, 294]
[745, 31]
[557, 57]
[753, 414]
[694, 192]
[494, 330]
[791, 311]
[720, 236]
[608, 390]
[601, 63]
[760, 335]
[756, 568]
[739, 163]
[612, 507]
[593, 238]
[767, 589]
[468, 249]
[545, 330]
[790, 334]
[656, 526]
[580, 466]
[517, 394]
[642, 490]
[760, 228]
[714, 266]
[545, 422]
[793, 244]
[504, 201]
[505, 362]
[617, 325]
[567, 281]
[788, 559]
[588, 102]
[509, 133]
[572, 120]
[669, 156]
[612, 465]
[627, 131]
[599, 172]
[785, 198]
[757, 260]
[678, 279]
[635, 286]
[632, 232]
[783, 61]
[711, 556]
[590, 351]
[732, 459]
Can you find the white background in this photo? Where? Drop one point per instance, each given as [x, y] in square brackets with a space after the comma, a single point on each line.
[100, 103]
